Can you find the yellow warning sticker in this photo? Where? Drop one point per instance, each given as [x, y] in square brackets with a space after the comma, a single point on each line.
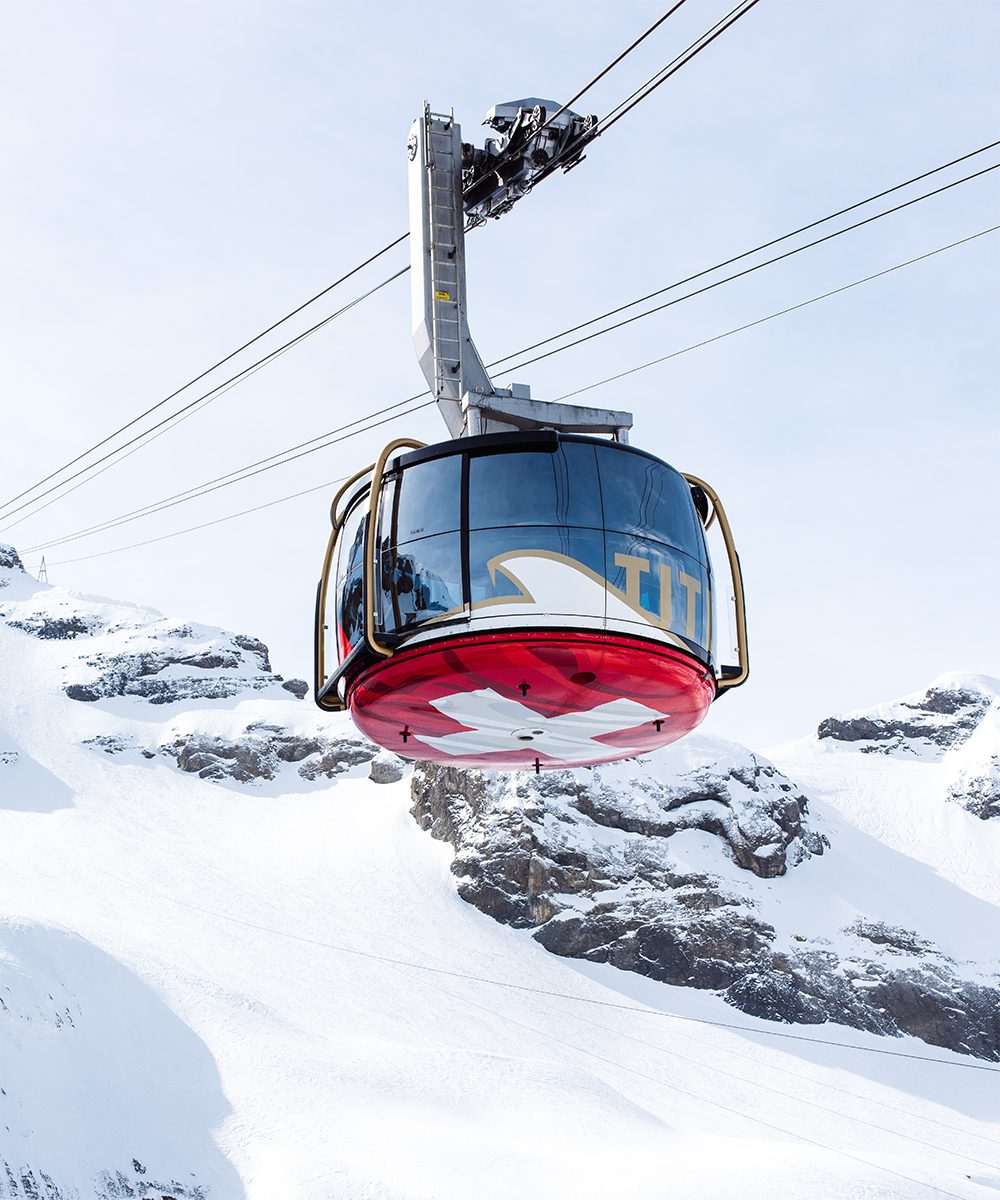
[442, 295]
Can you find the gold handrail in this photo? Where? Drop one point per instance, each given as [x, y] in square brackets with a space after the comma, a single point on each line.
[319, 641]
[737, 577]
[337, 523]
[373, 501]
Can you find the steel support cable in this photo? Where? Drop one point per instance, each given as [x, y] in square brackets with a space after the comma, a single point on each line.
[780, 313]
[708, 1101]
[632, 370]
[727, 279]
[249, 475]
[642, 87]
[221, 362]
[199, 402]
[508, 985]
[245, 472]
[776, 1091]
[776, 241]
[236, 476]
[751, 269]
[319, 295]
[610, 67]
[673, 67]
[525, 988]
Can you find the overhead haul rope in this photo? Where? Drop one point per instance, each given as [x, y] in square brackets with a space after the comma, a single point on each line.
[715, 1104]
[282, 320]
[630, 371]
[208, 370]
[189, 408]
[427, 968]
[612, 312]
[751, 269]
[235, 476]
[509, 985]
[553, 993]
[682, 59]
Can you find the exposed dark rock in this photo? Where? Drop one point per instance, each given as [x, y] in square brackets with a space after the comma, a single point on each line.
[109, 743]
[298, 687]
[261, 750]
[942, 718]
[583, 858]
[387, 768]
[10, 560]
[55, 628]
[142, 675]
[254, 646]
[978, 789]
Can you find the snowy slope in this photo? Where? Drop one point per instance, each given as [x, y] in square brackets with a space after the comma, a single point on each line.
[269, 987]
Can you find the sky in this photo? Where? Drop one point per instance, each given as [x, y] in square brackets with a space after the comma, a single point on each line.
[179, 176]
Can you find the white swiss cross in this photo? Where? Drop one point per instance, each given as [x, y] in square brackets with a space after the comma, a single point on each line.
[498, 723]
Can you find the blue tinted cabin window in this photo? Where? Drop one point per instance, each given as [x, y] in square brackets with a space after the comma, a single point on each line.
[648, 499]
[535, 488]
[350, 561]
[420, 581]
[424, 499]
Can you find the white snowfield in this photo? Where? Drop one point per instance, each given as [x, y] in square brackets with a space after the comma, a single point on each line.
[274, 992]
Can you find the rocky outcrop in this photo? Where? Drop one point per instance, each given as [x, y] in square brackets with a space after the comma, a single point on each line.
[975, 782]
[622, 865]
[584, 857]
[55, 628]
[10, 561]
[927, 723]
[262, 750]
[979, 792]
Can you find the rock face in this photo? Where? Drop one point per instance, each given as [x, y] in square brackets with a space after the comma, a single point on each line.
[655, 866]
[10, 562]
[121, 650]
[975, 783]
[926, 724]
[261, 751]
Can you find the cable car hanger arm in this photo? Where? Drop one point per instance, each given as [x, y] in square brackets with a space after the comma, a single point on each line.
[449, 182]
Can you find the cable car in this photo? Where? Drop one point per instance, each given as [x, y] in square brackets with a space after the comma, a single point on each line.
[536, 592]
[532, 599]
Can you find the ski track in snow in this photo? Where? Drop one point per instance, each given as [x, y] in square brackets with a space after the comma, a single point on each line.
[157, 1011]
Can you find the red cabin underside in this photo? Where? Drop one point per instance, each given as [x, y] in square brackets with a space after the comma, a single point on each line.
[535, 701]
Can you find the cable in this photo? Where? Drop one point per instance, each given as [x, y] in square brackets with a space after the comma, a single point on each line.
[288, 316]
[749, 253]
[673, 67]
[631, 304]
[247, 472]
[232, 516]
[522, 987]
[756, 1083]
[202, 400]
[780, 313]
[674, 1087]
[190, 383]
[205, 525]
[255, 898]
[611, 65]
[750, 270]
[215, 484]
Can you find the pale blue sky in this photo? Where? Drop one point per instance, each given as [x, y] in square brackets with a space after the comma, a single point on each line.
[177, 176]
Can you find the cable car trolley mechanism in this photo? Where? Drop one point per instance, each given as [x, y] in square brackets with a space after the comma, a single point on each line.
[534, 592]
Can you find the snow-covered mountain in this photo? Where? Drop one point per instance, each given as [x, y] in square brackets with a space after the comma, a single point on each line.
[243, 953]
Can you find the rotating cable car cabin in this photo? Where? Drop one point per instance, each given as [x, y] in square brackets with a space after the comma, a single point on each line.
[534, 593]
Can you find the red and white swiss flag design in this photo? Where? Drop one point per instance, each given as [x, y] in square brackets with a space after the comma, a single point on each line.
[531, 700]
